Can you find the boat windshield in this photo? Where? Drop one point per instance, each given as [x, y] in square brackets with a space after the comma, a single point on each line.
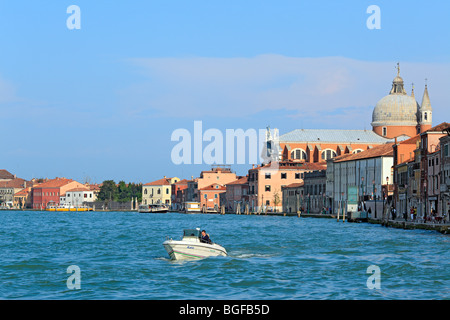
[191, 233]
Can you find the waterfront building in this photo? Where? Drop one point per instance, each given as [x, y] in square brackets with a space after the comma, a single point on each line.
[22, 199]
[314, 198]
[220, 174]
[236, 196]
[433, 186]
[179, 193]
[445, 175]
[209, 197]
[77, 196]
[418, 173]
[369, 172]
[429, 144]
[406, 175]
[265, 182]
[8, 188]
[50, 191]
[293, 197]
[159, 191]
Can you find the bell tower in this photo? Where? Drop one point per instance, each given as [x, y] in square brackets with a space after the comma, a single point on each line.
[425, 111]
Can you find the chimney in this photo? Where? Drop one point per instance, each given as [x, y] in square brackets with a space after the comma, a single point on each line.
[253, 166]
[395, 140]
[164, 177]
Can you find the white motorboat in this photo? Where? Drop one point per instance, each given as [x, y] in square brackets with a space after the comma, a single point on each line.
[191, 247]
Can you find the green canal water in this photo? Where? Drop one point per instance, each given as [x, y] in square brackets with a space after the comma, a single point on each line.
[120, 256]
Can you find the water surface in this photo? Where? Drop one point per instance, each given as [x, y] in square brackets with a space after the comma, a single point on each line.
[121, 256]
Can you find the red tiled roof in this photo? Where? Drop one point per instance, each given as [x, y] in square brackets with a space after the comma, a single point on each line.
[241, 180]
[377, 151]
[4, 174]
[160, 182]
[213, 187]
[55, 183]
[294, 185]
[14, 183]
[23, 192]
[184, 181]
[78, 189]
[440, 127]
[291, 165]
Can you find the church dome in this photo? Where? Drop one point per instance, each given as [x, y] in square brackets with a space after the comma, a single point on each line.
[397, 108]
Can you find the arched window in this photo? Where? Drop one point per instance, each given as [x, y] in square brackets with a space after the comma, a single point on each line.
[357, 150]
[328, 154]
[425, 116]
[145, 192]
[298, 154]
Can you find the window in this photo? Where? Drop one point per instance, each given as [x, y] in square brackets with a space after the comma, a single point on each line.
[268, 175]
[425, 116]
[384, 131]
[215, 196]
[205, 196]
[267, 202]
[298, 154]
[328, 154]
[267, 188]
[297, 176]
[357, 151]
[145, 191]
[85, 195]
[284, 175]
[159, 191]
[167, 191]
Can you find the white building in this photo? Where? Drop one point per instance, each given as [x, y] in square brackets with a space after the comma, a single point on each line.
[76, 197]
[370, 171]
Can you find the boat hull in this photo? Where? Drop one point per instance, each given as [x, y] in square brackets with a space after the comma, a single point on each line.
[181, 250]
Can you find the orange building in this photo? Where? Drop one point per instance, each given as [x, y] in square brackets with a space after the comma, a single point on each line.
[265, 184]
[210, 196]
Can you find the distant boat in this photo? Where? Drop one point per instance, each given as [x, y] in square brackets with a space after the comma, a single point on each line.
[153, 208]
[192, 207]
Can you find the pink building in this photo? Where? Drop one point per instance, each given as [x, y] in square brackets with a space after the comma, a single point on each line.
[210, 196]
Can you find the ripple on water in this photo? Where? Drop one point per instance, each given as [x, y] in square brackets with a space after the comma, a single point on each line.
[121, 257]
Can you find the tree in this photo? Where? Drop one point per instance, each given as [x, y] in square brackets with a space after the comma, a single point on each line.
[276, 199]
[108, 191]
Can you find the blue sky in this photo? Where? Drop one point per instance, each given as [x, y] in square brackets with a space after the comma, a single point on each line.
[102, 102]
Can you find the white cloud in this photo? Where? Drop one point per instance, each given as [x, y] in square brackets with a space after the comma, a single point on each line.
[200, 87]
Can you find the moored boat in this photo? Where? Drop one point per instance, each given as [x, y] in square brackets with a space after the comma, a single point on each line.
[153, 208]
[67, 208]
[192, 207]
